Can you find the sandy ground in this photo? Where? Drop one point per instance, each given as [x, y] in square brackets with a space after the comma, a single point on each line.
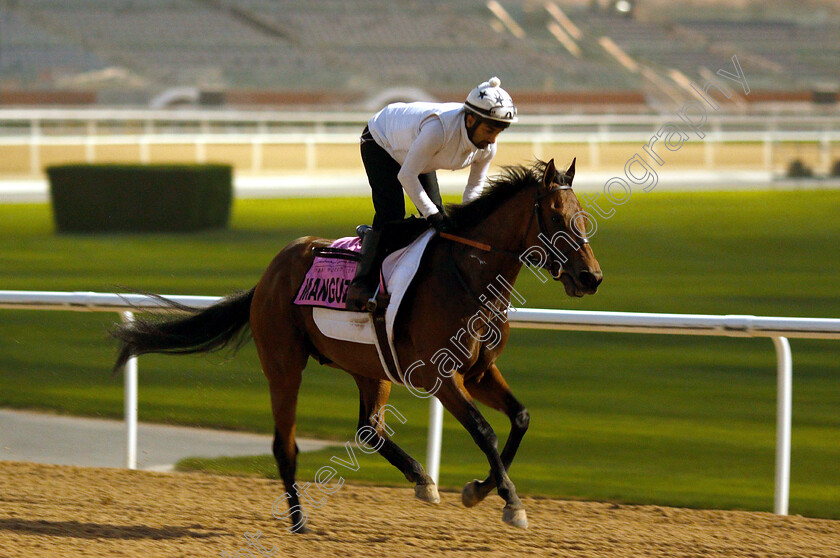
[50, 510]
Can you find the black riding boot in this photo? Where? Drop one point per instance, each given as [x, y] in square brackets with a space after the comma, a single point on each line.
[364, 284]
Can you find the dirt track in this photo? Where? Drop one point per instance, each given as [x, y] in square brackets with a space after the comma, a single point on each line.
[48, 510]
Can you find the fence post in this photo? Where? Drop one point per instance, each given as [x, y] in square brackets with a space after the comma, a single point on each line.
[90, 142]
[825, 151]
[784, 383]
[311, 153]
[130, 403]
[768, 152]
[434, 438]
[34, 147]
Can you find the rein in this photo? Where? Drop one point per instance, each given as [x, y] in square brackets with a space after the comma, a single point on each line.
[467, 241]
[479, 245]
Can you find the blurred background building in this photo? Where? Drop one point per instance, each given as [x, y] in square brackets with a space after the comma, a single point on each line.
[577, 55]
[284, 86]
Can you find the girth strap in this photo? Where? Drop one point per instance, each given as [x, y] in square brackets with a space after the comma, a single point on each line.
[387, 354]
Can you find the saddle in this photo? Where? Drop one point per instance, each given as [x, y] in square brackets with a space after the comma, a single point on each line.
[325, 284]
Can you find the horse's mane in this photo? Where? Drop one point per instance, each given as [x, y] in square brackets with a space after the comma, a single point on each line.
[497, 191]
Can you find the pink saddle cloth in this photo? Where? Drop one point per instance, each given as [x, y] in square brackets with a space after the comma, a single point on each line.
[326, 282]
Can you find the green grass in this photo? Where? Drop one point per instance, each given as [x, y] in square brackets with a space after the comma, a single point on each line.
[673, 420]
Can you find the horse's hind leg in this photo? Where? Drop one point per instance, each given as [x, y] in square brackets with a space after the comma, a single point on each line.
[492, 390]
[373, 396]
[283, 358]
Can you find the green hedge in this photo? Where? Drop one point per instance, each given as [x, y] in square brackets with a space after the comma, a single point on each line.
[798, 169]
[91, 198]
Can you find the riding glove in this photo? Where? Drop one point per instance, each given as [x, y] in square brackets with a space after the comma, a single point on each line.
[441, 222]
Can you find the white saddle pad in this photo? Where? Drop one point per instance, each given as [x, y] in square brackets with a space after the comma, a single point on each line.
[399, 270]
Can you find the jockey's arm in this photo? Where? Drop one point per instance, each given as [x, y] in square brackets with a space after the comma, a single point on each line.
[428, 142]
[478, 175]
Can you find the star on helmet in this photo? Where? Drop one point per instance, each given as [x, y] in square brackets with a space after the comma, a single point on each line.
[489, 100]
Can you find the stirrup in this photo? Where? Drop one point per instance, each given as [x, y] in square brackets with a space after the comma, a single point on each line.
[372, 303]
[362, 230]
[364, 301]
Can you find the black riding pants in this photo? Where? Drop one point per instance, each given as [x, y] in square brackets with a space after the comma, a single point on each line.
[387, 191]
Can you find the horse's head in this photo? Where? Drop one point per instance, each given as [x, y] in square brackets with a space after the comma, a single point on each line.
[561, 232]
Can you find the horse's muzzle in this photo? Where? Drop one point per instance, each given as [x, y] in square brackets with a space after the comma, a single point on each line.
[586, 282]
[590, 280]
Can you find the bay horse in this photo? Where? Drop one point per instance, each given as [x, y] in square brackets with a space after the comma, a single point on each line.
[523, 208]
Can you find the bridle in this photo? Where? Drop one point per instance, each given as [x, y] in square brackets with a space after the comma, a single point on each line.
[535, 215]
[541, 224]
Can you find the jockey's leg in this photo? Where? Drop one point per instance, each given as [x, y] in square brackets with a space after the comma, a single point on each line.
[389, 204]
[363, 286]
[386, 189]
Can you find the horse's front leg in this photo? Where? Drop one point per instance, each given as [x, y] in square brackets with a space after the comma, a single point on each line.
[492, 390]
[373, 396]
[455, 399]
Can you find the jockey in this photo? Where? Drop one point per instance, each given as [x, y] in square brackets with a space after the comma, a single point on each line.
[402, 147]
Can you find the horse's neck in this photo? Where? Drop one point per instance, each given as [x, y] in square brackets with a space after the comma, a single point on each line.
[506, 228]
[505, 231]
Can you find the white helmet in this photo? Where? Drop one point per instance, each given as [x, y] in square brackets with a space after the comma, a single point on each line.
[488, 100]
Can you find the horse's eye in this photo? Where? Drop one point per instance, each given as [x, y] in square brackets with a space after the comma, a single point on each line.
[555, 218]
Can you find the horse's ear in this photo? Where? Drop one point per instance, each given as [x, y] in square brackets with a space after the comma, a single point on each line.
[550, 174]
[570, 173]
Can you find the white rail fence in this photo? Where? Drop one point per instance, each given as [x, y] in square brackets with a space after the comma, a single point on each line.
[95, 129]
[777, 328]
[257, 142]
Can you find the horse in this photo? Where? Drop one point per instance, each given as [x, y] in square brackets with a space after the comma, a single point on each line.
[509, 225]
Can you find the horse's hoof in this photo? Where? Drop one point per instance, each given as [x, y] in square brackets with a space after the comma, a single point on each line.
[517, 518]
[427, 493]
[470, 495]
[301, 529]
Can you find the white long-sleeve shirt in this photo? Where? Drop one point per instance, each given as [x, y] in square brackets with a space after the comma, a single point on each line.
[425, 137]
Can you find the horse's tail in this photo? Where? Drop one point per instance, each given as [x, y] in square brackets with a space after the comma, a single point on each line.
[200, 331]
